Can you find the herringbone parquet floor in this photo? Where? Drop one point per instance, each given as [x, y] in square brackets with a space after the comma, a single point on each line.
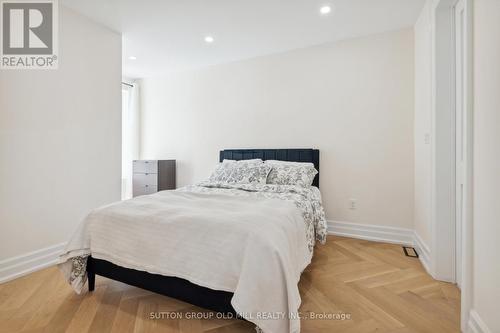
[374, 283]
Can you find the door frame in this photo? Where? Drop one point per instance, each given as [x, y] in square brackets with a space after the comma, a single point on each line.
[461, 122]
[443, 193]
[467, 218]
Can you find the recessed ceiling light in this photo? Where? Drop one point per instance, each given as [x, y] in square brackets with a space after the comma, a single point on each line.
[209, 39]
[325, 10]
[132, 58]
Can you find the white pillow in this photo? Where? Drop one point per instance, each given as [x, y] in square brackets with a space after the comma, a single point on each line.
[291, 173]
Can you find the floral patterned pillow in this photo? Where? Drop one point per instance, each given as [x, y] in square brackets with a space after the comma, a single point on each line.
[241, 162]
[291, 173]
[241, 172]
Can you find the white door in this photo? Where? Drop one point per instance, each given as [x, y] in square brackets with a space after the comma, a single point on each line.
[461, 118]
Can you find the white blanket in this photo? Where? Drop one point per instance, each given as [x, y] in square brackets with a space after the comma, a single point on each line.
[251, 241]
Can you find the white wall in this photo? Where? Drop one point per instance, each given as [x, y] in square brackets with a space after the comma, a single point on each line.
[422, 124]
[353, 100]
[486, 266]
[60, 139]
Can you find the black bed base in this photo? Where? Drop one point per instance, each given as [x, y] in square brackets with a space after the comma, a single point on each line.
[178, 288]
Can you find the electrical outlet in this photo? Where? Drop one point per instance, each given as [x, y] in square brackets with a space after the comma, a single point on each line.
[352, 204]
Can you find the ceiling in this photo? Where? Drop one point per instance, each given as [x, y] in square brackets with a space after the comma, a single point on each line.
[168, 35]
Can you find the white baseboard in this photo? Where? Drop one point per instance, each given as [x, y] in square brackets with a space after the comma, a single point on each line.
[378, 233]
[375, 233]
[476, 324]
[27, 263]
[424, 253]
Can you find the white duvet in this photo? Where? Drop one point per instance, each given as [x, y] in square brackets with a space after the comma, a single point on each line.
[251, 240]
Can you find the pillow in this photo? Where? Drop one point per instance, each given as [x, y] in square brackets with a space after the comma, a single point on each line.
[291, 173]
[252, 161]
[241, 172]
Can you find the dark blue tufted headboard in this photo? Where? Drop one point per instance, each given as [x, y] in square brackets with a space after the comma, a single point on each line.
[292, 155]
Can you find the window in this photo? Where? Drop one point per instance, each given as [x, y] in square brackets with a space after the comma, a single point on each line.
[127, 139]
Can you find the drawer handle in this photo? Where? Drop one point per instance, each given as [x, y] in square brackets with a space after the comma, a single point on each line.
[147, 185]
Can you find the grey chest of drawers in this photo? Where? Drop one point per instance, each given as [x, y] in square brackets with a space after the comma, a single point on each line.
[151, 176]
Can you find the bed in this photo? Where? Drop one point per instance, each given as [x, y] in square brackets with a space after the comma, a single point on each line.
[211, 296]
